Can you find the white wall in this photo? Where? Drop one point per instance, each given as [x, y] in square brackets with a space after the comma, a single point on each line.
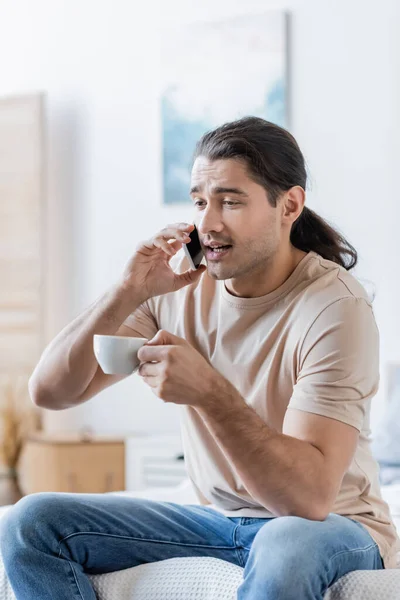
[98, 63]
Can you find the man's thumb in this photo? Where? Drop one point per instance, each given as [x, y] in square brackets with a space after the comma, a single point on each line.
[164, 338]
[189, 277]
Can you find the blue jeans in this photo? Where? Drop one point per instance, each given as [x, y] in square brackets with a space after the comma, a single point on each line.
[49, 541]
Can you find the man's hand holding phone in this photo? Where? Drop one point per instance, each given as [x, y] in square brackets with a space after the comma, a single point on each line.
[149, 272]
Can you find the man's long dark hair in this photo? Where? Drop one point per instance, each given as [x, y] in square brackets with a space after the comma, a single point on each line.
[274, 160]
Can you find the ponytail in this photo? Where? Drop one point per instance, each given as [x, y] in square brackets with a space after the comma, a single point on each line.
[311, 232]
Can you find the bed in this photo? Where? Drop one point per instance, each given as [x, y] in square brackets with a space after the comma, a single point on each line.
[213, 579]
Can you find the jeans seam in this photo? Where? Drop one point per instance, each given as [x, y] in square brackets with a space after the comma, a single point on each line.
[139, 539]
[236, 546]
[75, 578]
[375, 546]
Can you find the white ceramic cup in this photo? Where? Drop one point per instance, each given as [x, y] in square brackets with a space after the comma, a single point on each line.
[117, 355]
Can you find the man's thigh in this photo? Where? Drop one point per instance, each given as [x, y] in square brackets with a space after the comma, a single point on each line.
[108, 532]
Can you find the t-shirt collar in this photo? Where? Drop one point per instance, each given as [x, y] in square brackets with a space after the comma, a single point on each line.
[273, 296]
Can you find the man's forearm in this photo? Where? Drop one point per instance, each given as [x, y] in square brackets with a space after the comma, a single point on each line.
[68, 364]
[282, 473]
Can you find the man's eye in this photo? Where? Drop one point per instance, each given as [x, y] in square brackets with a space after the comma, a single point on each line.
[230, 203]
[198, 203]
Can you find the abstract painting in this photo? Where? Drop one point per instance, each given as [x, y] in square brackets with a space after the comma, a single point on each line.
[213, 73]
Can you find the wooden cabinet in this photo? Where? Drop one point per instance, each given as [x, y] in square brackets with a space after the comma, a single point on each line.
[72, 463]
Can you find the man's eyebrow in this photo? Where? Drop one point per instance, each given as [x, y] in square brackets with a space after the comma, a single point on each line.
[221, 190]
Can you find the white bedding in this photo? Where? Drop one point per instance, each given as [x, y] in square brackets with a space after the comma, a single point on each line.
[213, 579]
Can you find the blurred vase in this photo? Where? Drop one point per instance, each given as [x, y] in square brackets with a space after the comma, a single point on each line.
[10, 492]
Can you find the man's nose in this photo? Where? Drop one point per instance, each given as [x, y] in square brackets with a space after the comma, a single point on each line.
[209, 220]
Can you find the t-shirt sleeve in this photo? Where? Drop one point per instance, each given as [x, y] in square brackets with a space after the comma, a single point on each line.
[339, 363]
[142, 322]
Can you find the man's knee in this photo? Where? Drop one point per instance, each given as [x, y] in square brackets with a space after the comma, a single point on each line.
[285, 560]
[290, 544]
[31, 521]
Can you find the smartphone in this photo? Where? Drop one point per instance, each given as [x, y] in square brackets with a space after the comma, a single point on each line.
[193, 250]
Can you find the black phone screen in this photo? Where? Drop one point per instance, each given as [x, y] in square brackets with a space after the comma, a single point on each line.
[195, 248]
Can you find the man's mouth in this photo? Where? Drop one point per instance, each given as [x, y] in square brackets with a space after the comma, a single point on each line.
[216, 252]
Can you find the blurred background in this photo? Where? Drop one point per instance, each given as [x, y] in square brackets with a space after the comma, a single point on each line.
[95, 99]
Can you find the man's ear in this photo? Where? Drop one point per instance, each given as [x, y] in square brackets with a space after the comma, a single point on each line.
[292, 204]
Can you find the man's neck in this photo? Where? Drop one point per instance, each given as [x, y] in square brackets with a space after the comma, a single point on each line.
[271, 277]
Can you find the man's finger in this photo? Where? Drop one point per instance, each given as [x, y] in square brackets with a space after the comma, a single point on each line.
[177, 245]
[164, 338]
[148, 369]
[174, 248]
[151, 382]
[149, 353]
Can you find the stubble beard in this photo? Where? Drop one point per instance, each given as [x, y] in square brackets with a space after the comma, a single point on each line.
[257, 262]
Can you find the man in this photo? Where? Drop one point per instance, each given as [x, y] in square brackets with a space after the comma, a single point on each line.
[271, 351]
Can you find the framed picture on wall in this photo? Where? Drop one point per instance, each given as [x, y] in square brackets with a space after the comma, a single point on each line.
[213, 73]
